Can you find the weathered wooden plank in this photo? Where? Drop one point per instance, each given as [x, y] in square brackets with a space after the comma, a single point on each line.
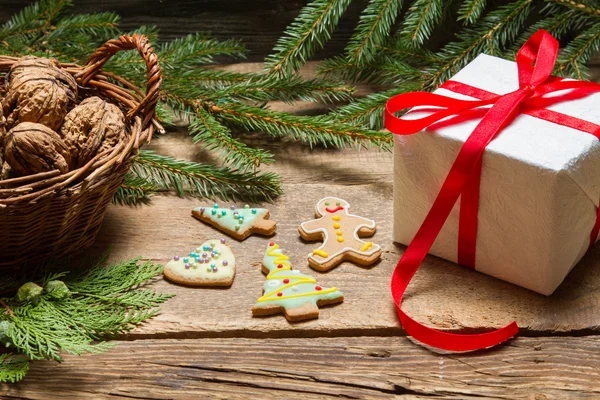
[353, 368]
[443, 295]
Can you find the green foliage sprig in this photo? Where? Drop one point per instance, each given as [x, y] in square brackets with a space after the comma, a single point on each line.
[216, 103]
[393, 43]
[73, 313]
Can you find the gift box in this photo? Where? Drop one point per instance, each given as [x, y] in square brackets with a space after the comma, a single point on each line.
[539, 185]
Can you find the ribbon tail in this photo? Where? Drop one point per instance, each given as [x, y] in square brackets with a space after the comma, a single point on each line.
[461, 171]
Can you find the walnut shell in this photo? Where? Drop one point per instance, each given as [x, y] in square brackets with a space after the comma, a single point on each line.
[31, 148]
[38, 90]
[92, 127]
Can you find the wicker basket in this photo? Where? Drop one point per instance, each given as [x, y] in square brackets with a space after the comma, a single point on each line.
[54, 215]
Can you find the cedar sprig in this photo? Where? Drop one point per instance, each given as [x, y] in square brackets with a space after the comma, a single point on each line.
[88, 309]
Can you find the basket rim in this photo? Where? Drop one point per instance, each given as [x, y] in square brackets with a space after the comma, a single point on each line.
[140, 118]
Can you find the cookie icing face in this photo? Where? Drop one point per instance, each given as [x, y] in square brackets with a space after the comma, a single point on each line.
[331, 205]
[287, 287]
[213, 261]
[232, 218]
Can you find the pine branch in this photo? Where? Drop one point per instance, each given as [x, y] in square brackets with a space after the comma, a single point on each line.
[307, 34]
[310, 130]
[133, 191]
[422, 17]
[471, 10]
[205, 180]
[373, 28]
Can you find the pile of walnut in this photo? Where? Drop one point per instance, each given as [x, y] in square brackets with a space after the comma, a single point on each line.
[42, 129]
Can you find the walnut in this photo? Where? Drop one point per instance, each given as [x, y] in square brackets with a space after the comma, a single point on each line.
[31, 148]
[92, 127]
[38, 90]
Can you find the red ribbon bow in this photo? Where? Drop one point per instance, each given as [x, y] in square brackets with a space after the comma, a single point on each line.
[535, 61]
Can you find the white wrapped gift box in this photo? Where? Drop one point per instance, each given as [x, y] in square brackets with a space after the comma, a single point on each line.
[540, 185]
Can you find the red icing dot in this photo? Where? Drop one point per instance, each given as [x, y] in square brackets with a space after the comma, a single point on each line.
[317, 288]
[271, 244]
[286, 281]
[280, 266]
[279, 294]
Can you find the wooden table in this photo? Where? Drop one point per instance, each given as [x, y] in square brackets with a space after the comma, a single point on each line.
[206, 344]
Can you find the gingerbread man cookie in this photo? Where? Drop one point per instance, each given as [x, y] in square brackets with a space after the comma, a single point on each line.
[340, 232]
[289, 291]
[237, 222]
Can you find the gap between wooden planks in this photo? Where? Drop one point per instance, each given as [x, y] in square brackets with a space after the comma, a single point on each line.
[350, 368]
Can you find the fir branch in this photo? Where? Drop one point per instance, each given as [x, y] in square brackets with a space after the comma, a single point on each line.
[368, 111]
[310, 130]
[205, 180]
[134, 191]
[578, 52]
[100, 24]
[471, 10]
[373, 28]
[305, 35]
[287, 90]
[198, 48]
[34, 20]
[591, 8]
[492, 34]
[385, 70]
[422, 17]
[214, 136]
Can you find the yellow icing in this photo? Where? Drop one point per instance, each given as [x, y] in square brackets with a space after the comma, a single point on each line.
[336, 218]
[339, 233]
[340, 239]
[366, 246]
[271, 293]
[336, 226]
[293, 296]
[279, 258]
[321, 253]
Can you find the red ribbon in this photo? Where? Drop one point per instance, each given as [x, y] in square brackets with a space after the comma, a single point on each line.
[535, 61]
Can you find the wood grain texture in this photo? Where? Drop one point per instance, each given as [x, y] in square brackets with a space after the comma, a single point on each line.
[326, 368]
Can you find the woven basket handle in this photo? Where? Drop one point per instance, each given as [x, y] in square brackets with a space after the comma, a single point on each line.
[143, 46]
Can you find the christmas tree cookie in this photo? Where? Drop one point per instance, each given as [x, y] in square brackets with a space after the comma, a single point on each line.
[288, 291]
[212, 264]
[340, 232]
[237, 222]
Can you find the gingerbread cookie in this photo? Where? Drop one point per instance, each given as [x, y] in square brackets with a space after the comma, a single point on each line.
[237, 222]
[340, 232]
[288, 291]
[212, 264]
